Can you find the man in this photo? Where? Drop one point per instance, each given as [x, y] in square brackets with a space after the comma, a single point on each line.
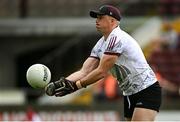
[120, 54]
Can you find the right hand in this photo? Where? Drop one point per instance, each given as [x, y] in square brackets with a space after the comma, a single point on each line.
[61, 87]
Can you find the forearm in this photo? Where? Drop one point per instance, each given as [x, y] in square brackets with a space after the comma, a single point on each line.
[92, 77]
[89, 65]
[76, 76]
[100, 72]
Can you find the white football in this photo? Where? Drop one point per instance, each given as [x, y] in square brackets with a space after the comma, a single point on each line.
[38, 75]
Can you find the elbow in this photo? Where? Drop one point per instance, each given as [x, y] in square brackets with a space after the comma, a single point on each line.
[84, 72]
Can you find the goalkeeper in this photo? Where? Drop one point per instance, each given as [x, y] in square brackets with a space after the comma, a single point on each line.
[116, 51]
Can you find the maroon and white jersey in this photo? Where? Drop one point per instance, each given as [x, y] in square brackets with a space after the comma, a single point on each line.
[131, 69]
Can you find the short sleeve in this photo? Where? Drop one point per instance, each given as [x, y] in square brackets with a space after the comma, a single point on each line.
[94, 51]
[114, 46]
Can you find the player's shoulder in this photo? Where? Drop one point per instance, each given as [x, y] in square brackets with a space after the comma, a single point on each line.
[114, 36]
[99, 42]
[116, 33]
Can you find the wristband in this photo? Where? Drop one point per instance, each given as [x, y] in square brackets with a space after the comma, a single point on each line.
[78, 84]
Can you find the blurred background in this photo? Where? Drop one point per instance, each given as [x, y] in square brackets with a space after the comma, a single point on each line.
[60, 34]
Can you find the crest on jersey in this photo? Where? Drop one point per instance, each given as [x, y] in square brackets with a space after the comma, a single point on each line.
[120, 72]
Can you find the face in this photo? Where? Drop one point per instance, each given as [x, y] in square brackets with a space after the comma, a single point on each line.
[103, 23]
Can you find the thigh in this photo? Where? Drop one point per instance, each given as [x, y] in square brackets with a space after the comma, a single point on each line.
[143, 114]
[147, 104]
[149, 98]
[129, 105]
[144, 104]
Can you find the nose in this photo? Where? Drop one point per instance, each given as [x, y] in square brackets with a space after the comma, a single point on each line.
[96, 20]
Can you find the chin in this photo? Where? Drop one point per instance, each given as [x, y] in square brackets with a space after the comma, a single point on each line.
[98, 29]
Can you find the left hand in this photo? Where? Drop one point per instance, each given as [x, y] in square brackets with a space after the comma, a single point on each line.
[61, 87]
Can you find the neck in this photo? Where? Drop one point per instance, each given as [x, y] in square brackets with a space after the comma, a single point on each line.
[106, 34]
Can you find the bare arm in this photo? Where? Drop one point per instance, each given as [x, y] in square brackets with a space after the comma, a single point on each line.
[101, 71]
[65, 86]
[89, 65]
[91, 71]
